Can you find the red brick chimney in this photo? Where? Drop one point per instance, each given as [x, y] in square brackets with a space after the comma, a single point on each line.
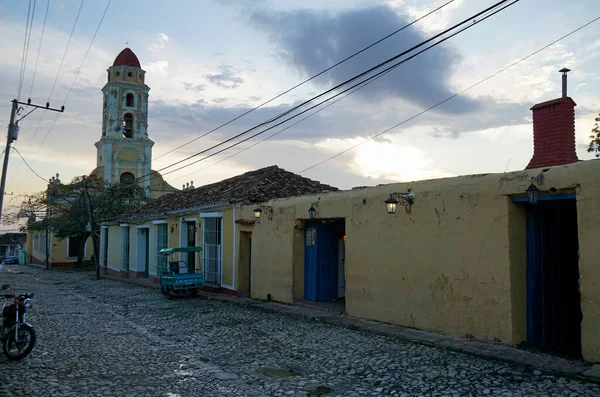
[554, 130]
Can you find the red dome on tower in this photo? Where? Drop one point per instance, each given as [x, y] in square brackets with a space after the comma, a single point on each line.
[127, 58]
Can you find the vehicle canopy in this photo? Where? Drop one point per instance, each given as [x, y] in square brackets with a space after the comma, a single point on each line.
[169, 251]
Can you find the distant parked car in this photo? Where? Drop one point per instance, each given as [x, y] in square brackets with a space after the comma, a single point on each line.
[11, 260]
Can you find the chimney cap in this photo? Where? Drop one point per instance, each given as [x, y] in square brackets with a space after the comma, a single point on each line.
[564, 70]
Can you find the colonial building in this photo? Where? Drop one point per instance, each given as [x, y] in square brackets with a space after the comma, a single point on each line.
[123, 153]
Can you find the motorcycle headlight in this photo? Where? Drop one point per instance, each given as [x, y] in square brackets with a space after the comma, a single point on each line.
[27, 303]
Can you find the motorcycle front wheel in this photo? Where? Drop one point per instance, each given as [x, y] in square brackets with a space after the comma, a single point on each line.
[18, 348]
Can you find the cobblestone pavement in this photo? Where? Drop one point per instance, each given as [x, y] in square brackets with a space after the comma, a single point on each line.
[106, 338]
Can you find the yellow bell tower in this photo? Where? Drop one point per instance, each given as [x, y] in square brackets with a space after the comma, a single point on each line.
[124, 150]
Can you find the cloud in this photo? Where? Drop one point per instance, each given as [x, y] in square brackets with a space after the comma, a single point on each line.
[311, 41]
[159, 67]
[194, 88]
[160, 43]
[226, 78]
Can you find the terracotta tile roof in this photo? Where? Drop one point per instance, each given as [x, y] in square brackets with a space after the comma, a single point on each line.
[127, 58]
[252, 187]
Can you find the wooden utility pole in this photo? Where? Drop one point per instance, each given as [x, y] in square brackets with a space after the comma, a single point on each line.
[91, 225]
[13, 134]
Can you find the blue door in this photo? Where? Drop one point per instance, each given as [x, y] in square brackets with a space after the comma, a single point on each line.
[553, 301]
[320, 261]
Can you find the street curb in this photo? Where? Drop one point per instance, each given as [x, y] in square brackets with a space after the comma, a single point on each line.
[545, 364]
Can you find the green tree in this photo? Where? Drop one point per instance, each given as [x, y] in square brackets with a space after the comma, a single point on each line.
[63, 208]
[595, 138]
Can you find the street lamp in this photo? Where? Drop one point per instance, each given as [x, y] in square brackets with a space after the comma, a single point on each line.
[391, 205]
[404, 199]
[312, 212]
[257, 212]
[532, 194]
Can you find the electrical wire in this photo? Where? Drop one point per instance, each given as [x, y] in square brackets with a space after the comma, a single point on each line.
[452, 96]
[369, 79]
[269, 137]
[88, 51]
[472, 18]
[57, 75]
[78, 71]
[66, 49]
[77, 74]
[21, 71]
[39, 49]
[28, 42]
[28, 166]
[308, 79]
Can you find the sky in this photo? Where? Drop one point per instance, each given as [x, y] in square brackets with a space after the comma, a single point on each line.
[209, 61]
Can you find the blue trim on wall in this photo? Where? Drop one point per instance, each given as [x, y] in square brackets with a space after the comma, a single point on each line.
[563, 196]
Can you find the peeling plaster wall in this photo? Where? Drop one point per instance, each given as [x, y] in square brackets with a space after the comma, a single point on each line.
[455, 265]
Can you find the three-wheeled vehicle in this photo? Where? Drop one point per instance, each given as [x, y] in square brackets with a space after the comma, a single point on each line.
[178, 277]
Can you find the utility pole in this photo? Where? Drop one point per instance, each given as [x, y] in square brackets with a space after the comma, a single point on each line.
[50, 195]
[91, 223]
[13, 134]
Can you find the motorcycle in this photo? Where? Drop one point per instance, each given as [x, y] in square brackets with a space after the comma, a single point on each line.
[18, 337]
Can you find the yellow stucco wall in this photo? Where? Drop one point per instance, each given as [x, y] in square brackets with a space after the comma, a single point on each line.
[127, 153]
[454, 265]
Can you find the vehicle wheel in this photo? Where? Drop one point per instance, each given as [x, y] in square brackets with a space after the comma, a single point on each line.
[18, 349]
[171, 294]
[164, 291]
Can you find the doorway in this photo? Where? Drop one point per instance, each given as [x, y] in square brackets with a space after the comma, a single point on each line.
[212, 250]
[324, 257]
[143, 247]
[553, 299]
[191, 242]
[244, 275]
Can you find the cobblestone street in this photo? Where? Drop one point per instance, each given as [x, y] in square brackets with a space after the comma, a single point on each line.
[106, 338]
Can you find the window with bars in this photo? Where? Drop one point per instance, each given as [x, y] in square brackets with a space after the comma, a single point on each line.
[126, 247]
[39, 243]
[162, 241]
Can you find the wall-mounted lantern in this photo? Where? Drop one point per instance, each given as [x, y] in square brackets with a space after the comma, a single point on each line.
[404, 199]
[263, 208]
[173, 227]
[533, 194]
[312, 212]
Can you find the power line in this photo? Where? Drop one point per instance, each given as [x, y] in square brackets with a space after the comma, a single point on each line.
[88, 51]
[28, 166]
[39, 49]
[66, 49]
[57, 75]
[367, 80]
[307, 80]
[270, 136]
[28, 42]
[452, 96]
[472, 18]
[21, 71]
[78, 71]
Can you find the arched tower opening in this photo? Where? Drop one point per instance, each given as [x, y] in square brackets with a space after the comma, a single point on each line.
[128, 125]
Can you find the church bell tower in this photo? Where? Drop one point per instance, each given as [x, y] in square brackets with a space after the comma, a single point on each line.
[124, 151]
